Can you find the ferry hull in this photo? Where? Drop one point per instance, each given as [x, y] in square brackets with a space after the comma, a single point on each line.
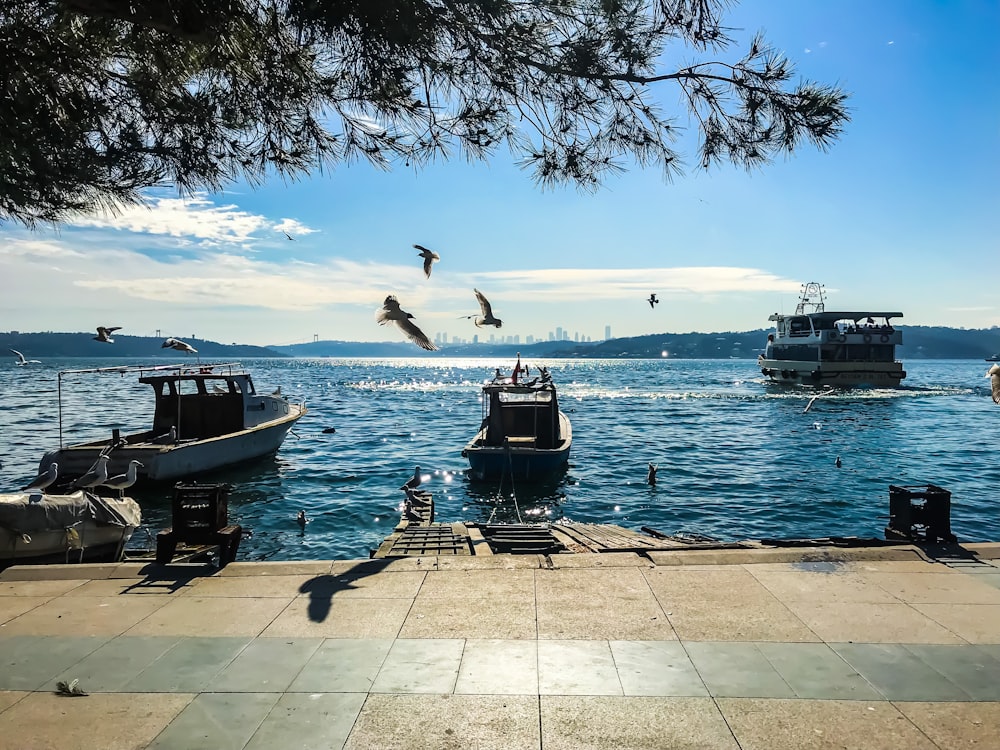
[846, 374]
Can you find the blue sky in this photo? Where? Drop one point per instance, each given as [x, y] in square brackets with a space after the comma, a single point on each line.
[902, 214]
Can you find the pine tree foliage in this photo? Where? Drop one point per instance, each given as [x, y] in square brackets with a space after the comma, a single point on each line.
[102, 99]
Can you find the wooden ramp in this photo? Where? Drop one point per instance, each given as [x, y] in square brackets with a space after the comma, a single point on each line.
[417, 535]
[592, 537]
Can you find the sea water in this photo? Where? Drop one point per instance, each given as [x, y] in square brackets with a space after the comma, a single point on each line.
[738, 458]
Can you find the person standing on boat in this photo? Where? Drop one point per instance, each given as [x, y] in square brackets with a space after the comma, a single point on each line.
[767, 349]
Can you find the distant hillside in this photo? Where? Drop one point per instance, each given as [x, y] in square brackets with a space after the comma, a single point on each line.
[38, 345]
[921, 342]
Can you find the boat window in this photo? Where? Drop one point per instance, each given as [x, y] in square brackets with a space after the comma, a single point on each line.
[529, 397]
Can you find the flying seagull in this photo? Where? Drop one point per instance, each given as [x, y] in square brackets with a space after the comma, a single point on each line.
[652, 300]
[122, 482]
[429, 257]
[486, 319]
[994, 375]
[288, 236]
[97, 474]
[104, 334]
[181, 346]
[46, 478]
[392, 312]
[22, 361]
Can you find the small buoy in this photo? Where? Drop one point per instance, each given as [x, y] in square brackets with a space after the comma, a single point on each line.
[301, 519]
[651, 476]
[329, 430]
[838, 462]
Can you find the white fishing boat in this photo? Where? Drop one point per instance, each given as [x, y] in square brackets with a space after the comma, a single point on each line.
[205, 417]
[813, 346]
[76, 527]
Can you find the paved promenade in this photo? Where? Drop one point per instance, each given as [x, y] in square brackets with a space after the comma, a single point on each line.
[730, 649]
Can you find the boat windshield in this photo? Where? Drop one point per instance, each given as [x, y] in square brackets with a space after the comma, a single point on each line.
[525, 397]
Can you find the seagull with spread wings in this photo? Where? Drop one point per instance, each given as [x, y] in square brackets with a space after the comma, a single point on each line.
[391, 312]
[429, 257]
[104, 334]
[994, 375]
[21, 360]
[486, 319]
[181, 346]
[652, 300]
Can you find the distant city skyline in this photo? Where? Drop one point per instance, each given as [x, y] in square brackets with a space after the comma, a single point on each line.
[901, 213]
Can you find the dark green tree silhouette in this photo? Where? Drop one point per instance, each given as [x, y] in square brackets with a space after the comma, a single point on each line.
[102, 99]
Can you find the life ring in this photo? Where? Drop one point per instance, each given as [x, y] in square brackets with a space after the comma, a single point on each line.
[868, 338]
[885, 338]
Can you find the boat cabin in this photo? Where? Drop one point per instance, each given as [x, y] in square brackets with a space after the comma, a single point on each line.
[521, 415]
[204, 403]
[834, 336]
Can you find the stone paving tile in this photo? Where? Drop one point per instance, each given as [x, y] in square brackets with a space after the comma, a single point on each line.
[499, 667]
[451, 584]
[277, 568]
[425, 665]
[828, 587]
[57, 571]
[705, 584]
[342, 665]
[340, 618]
[956, 726]
[815, 671]
[871, 622]
[9, 697]
[277, 586]
[577, 668]
[776, 724]
[600, 560]
[388, 565]
[738, 670]
[972, 669]
[489, 562]
[189, 666]
[29, 662]
[133, 587]
[216, 721]
[44, 589]
[12, 607]
[625, 582]
[109, 721]
[208, 616]
[391, 585]
[656, 668]
[975, 623]
[760, 620]
[898, 674]
[102, 615]
[503, 617]
[434, 722]
[633, 722]
[318, 721]
[937, 588]
[112, 666]
[266, 665]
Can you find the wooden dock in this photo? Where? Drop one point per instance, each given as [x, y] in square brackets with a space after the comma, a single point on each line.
[418, 535]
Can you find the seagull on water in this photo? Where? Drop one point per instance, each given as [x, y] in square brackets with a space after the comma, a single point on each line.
[429, 257]
[21, 360]
[45, 479]
[994, 375]
[652, 300]
[486, 319]
[97, 474]
[651, 476]
[392, 312]
[104, 334]
[301, 519]
[122, 482]
[181, 346]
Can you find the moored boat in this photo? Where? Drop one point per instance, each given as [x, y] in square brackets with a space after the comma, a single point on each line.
[813, 346]
[205, 417]
[76, 527]
[523, 434]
